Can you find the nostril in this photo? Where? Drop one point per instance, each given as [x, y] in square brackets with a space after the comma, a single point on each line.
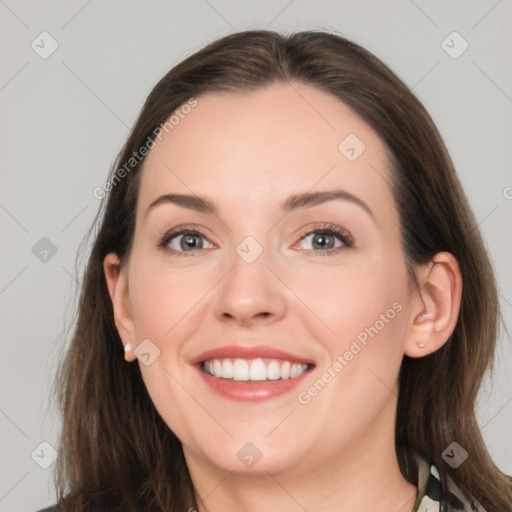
[246, 319]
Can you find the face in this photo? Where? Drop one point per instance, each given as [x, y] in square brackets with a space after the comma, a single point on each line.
[276, 304]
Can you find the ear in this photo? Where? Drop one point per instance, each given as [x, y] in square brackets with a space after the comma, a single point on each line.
[117, 285]
[435, 306]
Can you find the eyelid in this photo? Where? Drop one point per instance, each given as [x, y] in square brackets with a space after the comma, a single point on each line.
[326, 227]
[182, 229]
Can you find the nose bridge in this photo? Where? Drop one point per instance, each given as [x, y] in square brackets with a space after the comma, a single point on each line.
[250, 291]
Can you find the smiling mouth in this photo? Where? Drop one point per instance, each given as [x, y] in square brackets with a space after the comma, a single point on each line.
[253, 370]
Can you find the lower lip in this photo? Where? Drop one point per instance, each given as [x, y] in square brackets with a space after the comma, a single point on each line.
[251, 391]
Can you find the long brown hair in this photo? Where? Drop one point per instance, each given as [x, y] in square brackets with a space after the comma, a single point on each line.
[115, 449]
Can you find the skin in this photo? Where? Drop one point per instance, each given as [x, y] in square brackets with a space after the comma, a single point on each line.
[248, 153]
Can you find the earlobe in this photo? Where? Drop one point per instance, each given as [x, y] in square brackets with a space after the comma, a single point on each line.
[436, 308]
[118, 290]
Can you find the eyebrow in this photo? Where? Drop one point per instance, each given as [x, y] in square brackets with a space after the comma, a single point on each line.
[294, 202]
[309, 199]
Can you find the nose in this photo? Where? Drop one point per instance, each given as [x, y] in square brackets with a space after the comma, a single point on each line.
[250, 294]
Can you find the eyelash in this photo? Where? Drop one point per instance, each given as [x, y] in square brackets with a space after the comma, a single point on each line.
[182, 230]
[329, 229]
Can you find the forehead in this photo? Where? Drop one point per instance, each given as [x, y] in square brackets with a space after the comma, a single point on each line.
[264, 145]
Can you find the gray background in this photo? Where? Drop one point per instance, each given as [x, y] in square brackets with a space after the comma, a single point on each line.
[64, 119]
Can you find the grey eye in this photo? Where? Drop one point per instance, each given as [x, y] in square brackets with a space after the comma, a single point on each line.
[187, 242]
[321, 241]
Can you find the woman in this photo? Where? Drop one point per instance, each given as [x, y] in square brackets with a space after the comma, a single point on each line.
[290, 267]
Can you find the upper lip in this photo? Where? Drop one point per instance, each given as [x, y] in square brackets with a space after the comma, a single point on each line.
[249, 352]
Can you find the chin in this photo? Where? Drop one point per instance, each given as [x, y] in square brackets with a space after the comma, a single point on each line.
[254, 458]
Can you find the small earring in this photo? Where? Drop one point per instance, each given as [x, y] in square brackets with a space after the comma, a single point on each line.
[420, 343]
[426, 316]
[127, 349]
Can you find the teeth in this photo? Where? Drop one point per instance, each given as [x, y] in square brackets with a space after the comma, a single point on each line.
[227, 370]
[253, 370]
[294, 371]
[273, 371]
[285, 370]
[257, 370]
[240, 370]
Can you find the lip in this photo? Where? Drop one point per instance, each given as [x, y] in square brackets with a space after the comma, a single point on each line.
[250, 391]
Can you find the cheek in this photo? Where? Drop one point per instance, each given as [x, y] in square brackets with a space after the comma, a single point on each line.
[371, 326]
[363, 312]
[359, 300]
[167, 308]
[163, 297]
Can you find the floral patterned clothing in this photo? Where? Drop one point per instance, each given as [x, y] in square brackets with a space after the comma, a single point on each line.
[437, 492]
